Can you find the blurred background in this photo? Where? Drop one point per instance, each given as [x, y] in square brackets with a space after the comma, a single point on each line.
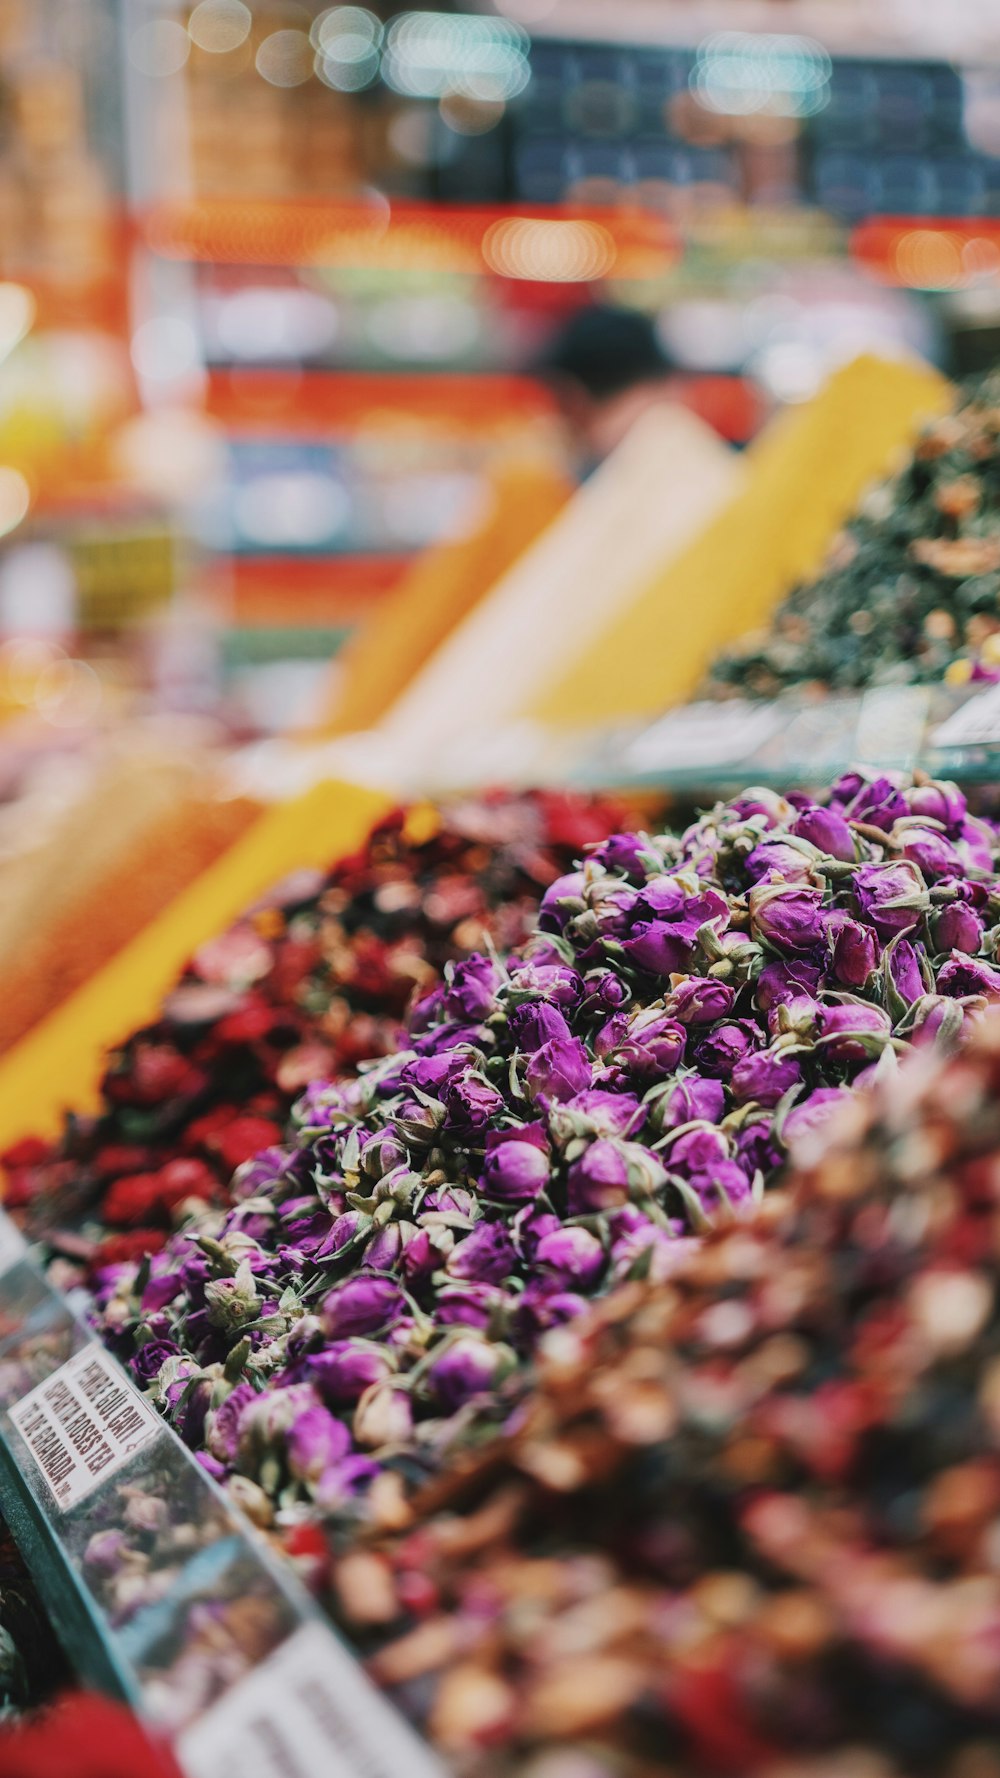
[277, 278]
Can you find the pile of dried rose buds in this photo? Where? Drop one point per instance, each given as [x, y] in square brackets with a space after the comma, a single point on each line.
[747, 1521]
[314, 979]
[565, 1118]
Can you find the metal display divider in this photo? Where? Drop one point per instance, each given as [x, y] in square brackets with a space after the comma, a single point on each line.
[162, 1593]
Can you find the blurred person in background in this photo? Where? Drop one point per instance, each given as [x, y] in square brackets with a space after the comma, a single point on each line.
[605, 367]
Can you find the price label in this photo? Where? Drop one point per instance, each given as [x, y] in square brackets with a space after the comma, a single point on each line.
[13, 1245]
[705, 735]
[976, 723]
[82, 1424]
[306, 1710]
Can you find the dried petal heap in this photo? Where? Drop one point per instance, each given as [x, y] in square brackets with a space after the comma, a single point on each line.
[910, 591]
[564, 1119]
[746, 1522]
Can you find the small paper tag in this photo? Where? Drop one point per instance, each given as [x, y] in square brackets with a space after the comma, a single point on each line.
[83, 1423]
[308, 1709]
[976, 722]
[13, 1245]
[705, 735]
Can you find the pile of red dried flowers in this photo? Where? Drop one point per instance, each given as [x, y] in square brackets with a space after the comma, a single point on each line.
[748, 1522]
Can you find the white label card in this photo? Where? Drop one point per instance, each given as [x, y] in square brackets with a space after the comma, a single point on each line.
[13, 1245]
[83, 1423]
[977, 721]
[307, 1710]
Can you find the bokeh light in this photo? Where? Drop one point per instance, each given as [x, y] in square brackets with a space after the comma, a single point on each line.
[285, 58]
[219, 26]
[738, 74]
[550, 252]
[429, 54]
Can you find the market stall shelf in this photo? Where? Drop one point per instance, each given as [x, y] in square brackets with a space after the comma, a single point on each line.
[164, 1595]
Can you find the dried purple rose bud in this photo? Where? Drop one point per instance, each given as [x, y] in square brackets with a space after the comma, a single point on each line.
[891, 896]
[515, 1172]
[558, 1070]
[345, 1369]
[827, 831]
[573, 1256]
[316, 1441]
[788, 919]
[486, 1256]
[854, 952]
[598, 1180]
[465, 1368]
[958, 927]
[765, 1076]
[361, 1306]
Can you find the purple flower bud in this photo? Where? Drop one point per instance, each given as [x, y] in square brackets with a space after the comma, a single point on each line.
[315, 1442]
[700, 1000]
[344, 1481]
[471, 1305]
[757, 1148]
[689, 1098]
[528, 1228]
[827, 831]
[878, 802]
[515, 1172]
[963, 975]
[719, 1051]
[558, 1070]
[381, 1153]
[387, 1246]
[902, 962]
[573, 1256]
[652, 1045]
[598, 1180]
[471, 985]
[891, 896]
[790, 919]
[466, 1368]
[105, 1552]
[535, 1023]
[938, 801]
[150, 1359]
[345, 1369]
[625, 853]
[725, 1186]
[813, 1114]
[853, 1032]
[222, 1428]
[775, 861]
[543, 1305]
[554, 982]
[486, 1256]
[361, 1305]
[471, 1102]
[432, 1073]
[426, 1252]
[958, 927]
[562, 899]
[765, 1076]
[605, 989]
[784, 981]
[660, 948]
[697, 1151]
[930, 850]
[597, 1112]
[855, 950]
[977, 845]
